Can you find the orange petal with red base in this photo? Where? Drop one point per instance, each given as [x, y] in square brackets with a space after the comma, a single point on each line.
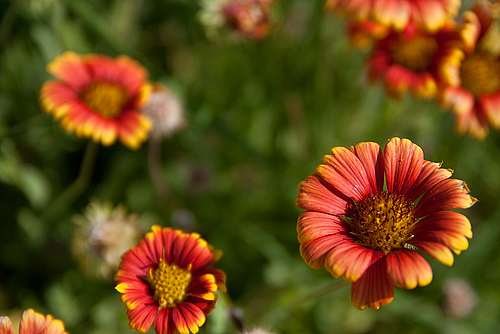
[407, 269]
[315, 196]
[373, 289]
[403, 164]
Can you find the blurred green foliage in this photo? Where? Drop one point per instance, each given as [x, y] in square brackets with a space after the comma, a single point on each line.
[261, 114]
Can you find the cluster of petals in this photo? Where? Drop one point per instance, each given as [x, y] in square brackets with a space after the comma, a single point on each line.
[407, 60]
[328, 235]
[189, 254]
[429, 15]
[248, 17]
[470, 77]
[33, 323]
[98, 97]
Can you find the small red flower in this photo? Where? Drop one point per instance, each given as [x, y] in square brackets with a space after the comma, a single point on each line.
[33, 323]
[407, 60]
[98, 97]
[426, 14]
[167, 279]
[369, 211]
[470, 77]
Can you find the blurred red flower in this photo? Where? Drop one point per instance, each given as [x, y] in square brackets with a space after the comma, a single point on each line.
[98, 97]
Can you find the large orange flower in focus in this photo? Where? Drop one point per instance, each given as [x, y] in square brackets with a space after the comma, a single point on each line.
[33, 323]
[99, 97]
[427, 14]
[369, 211]
[167, 279]
[471, 76]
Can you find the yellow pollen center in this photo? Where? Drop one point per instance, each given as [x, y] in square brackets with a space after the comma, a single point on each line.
[415, 54]
[480, 73]
[107, 99]
[169, 283]
[383, 221]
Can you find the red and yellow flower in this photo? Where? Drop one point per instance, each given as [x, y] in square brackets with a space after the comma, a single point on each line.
[33, 323]
[470, 77]
[368, 212]
[167, 279]
[427, 14]
[407, 60]
[98, 97]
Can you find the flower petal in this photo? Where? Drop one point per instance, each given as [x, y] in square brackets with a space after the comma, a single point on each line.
[71, 69]
[315, 196]
[141, 318]
[312, 225]
[403, 163]
[6, 326]
[195, 318]
[429, 176]
[373, 289]
[180, 322]
[372, 159]
[315, 251]
[445, 195]
[345, 173]
[437, 250]
[164, 323]
[407, 269]
[350, 260]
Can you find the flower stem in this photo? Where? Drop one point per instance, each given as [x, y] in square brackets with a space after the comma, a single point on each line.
[155, 169]
[61, 204]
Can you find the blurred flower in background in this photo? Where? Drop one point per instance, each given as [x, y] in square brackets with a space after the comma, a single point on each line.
[471, 76]
[426, 14]
[102, 235]
[165, 111]
[33, 323]
[167, 279]
[363, 223]
[407, 60]
[98, 97]
[459, 298]
[248, 18]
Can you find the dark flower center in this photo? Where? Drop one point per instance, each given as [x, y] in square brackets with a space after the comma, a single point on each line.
[415, 54]
[383, 221]
[106, 99]
[480, 73]
[169, 283]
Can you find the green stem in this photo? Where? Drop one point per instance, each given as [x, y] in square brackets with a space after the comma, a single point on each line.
[155, 169]
[61, 204]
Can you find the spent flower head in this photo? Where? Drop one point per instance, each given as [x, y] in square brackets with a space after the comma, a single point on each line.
[102, 235]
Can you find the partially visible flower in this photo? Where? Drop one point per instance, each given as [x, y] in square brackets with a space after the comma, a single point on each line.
[98, 97]
[102, 235]
[459, 298]
[165, 111]
[167, 279]
[33, 323]
[426, 14]
[248, 17]
[407, 60]
[368, 211]
[364, 34]
[470, 77]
